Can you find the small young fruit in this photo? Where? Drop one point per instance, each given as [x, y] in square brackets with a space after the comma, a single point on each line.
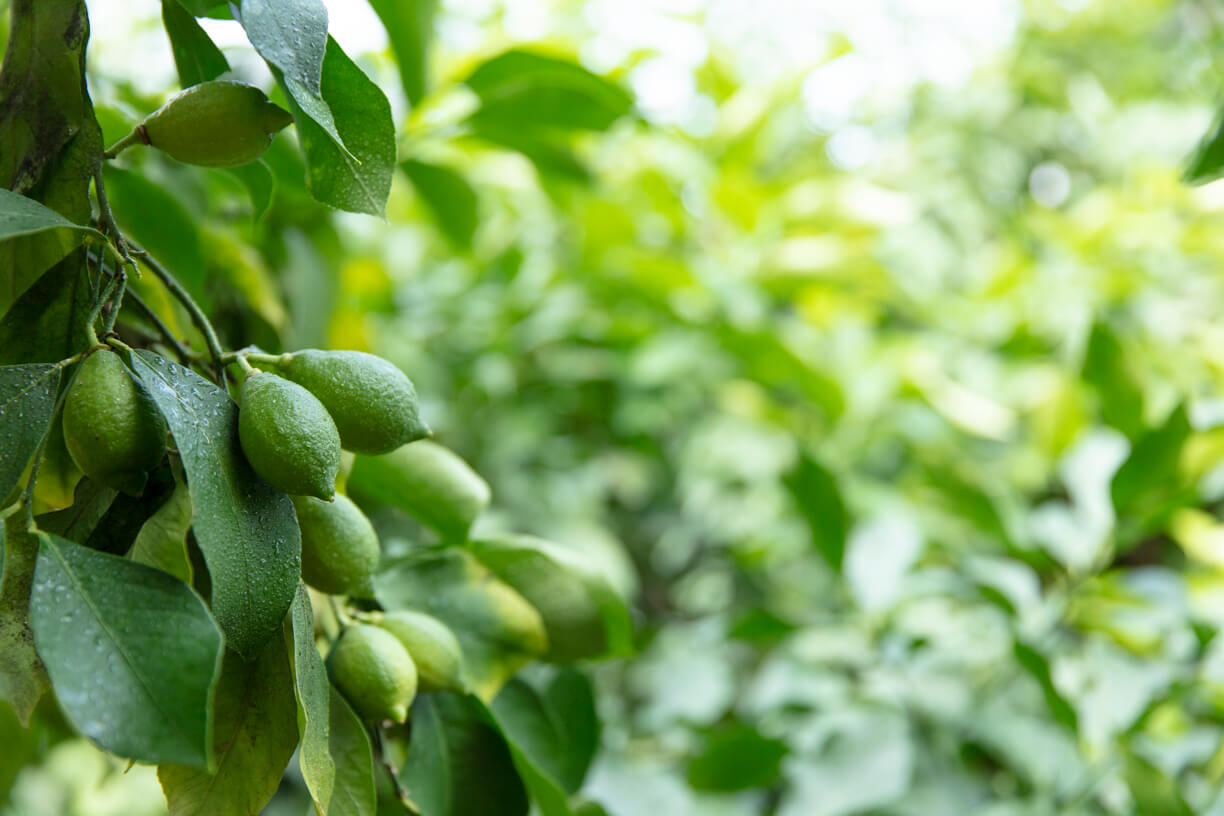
[288, 436]
[112, 429]
[433, 646]
[340, 549]
[372, 401]
[221, 123]
[374, 672]
[427, 481]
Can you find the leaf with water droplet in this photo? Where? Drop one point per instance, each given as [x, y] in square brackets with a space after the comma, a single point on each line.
[27, 400]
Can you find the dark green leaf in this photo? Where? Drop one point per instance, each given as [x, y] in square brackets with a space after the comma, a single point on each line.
[1106, 369]
[458, 764]
[22, 676]
[409, 25]
[48, 323]
[357, 179]
[818, 499]
[354, 792]
[1154, 793]
[196, 56]
[23, 261]
[1035, 663]
[1207, 162]
[148, 213]
[497, 628]
[313, 692]
[207, 8]
[90, 503]
[27, 401]
[254, 735]
[118, 529]
[162, 540]
[541, 92]
[1145, 490]
[260, 182]
[132, 652]
[247, 531]
[448, 196]
[737, 758]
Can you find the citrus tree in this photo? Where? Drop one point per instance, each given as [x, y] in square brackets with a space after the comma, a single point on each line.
[190, 577]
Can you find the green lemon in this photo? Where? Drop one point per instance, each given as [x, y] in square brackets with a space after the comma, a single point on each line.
[340, 549]
[428, 482]
[214, 124]
[372, 401]
[288, 436]
[433, 646]
[112, 429]
[374, 671]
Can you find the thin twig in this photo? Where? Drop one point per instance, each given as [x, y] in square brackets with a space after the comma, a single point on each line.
[168, 336]
[197, 314]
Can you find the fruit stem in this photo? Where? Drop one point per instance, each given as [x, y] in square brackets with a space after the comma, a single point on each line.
[197, 314]
[137, 136]
[267, 359]
[90, 332]
[247, 370]
[339, 611]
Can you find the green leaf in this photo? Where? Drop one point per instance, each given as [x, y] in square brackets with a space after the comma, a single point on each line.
[541, 92]
[260, 183]
[23, 679]
[58, 474]
[255, 733]
[409, 25]
[247, 531]
[162, 540]
[22, 262]
[552, 723]
[90, 504]
[27, 401]
[207, 8]
[737, 757]
[1207, 161]
[290, 34]
[582, 614]
[497, 628]
[354, 792]
[313, 692]
[119, 528]
[1035, 663]
[48, 323]
[196, 56]
[1146, 488]
[132, 652]
[458, 764]
[815, 492]
[448, 196]
[358, 178]
[1154, 793]
[148, 213]
[1107, 370]
[550, 155]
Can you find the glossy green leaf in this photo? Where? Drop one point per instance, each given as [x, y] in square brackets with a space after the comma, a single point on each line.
[260, 183]
[409, 25]
[313, 692]
[358, 177]
[27, 401]
[448, 196]
[23, 262]
[290, 34]
[353, 792]
[497, 628]
[247, 531]
[458, 763]
[255, 732]
[816, 495]
[737, 758]
[157, 220]
[132, 652]
[23, 679]
[162, 540]
[196, 56]
[58, 473]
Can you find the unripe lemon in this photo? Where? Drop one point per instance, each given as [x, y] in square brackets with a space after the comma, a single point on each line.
[372, 401]
[112, 428]
[340, 549]
[374, 672]
[221, 123]
[288, 436]
[428, 482]
[433, 646]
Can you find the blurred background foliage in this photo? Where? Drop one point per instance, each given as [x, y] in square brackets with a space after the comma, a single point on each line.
[876, 352]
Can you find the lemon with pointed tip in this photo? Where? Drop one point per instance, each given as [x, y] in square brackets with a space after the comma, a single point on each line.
[112, 428]
[340, 549]
[221, 123]
[288, 436]
[433, 646]
[374, 672]
[373, 403]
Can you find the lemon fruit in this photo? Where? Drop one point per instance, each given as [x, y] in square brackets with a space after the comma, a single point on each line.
[340, 549]
[374, 671]
[433, 646]
[288, 436]
[112, 428]
[373, 403]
